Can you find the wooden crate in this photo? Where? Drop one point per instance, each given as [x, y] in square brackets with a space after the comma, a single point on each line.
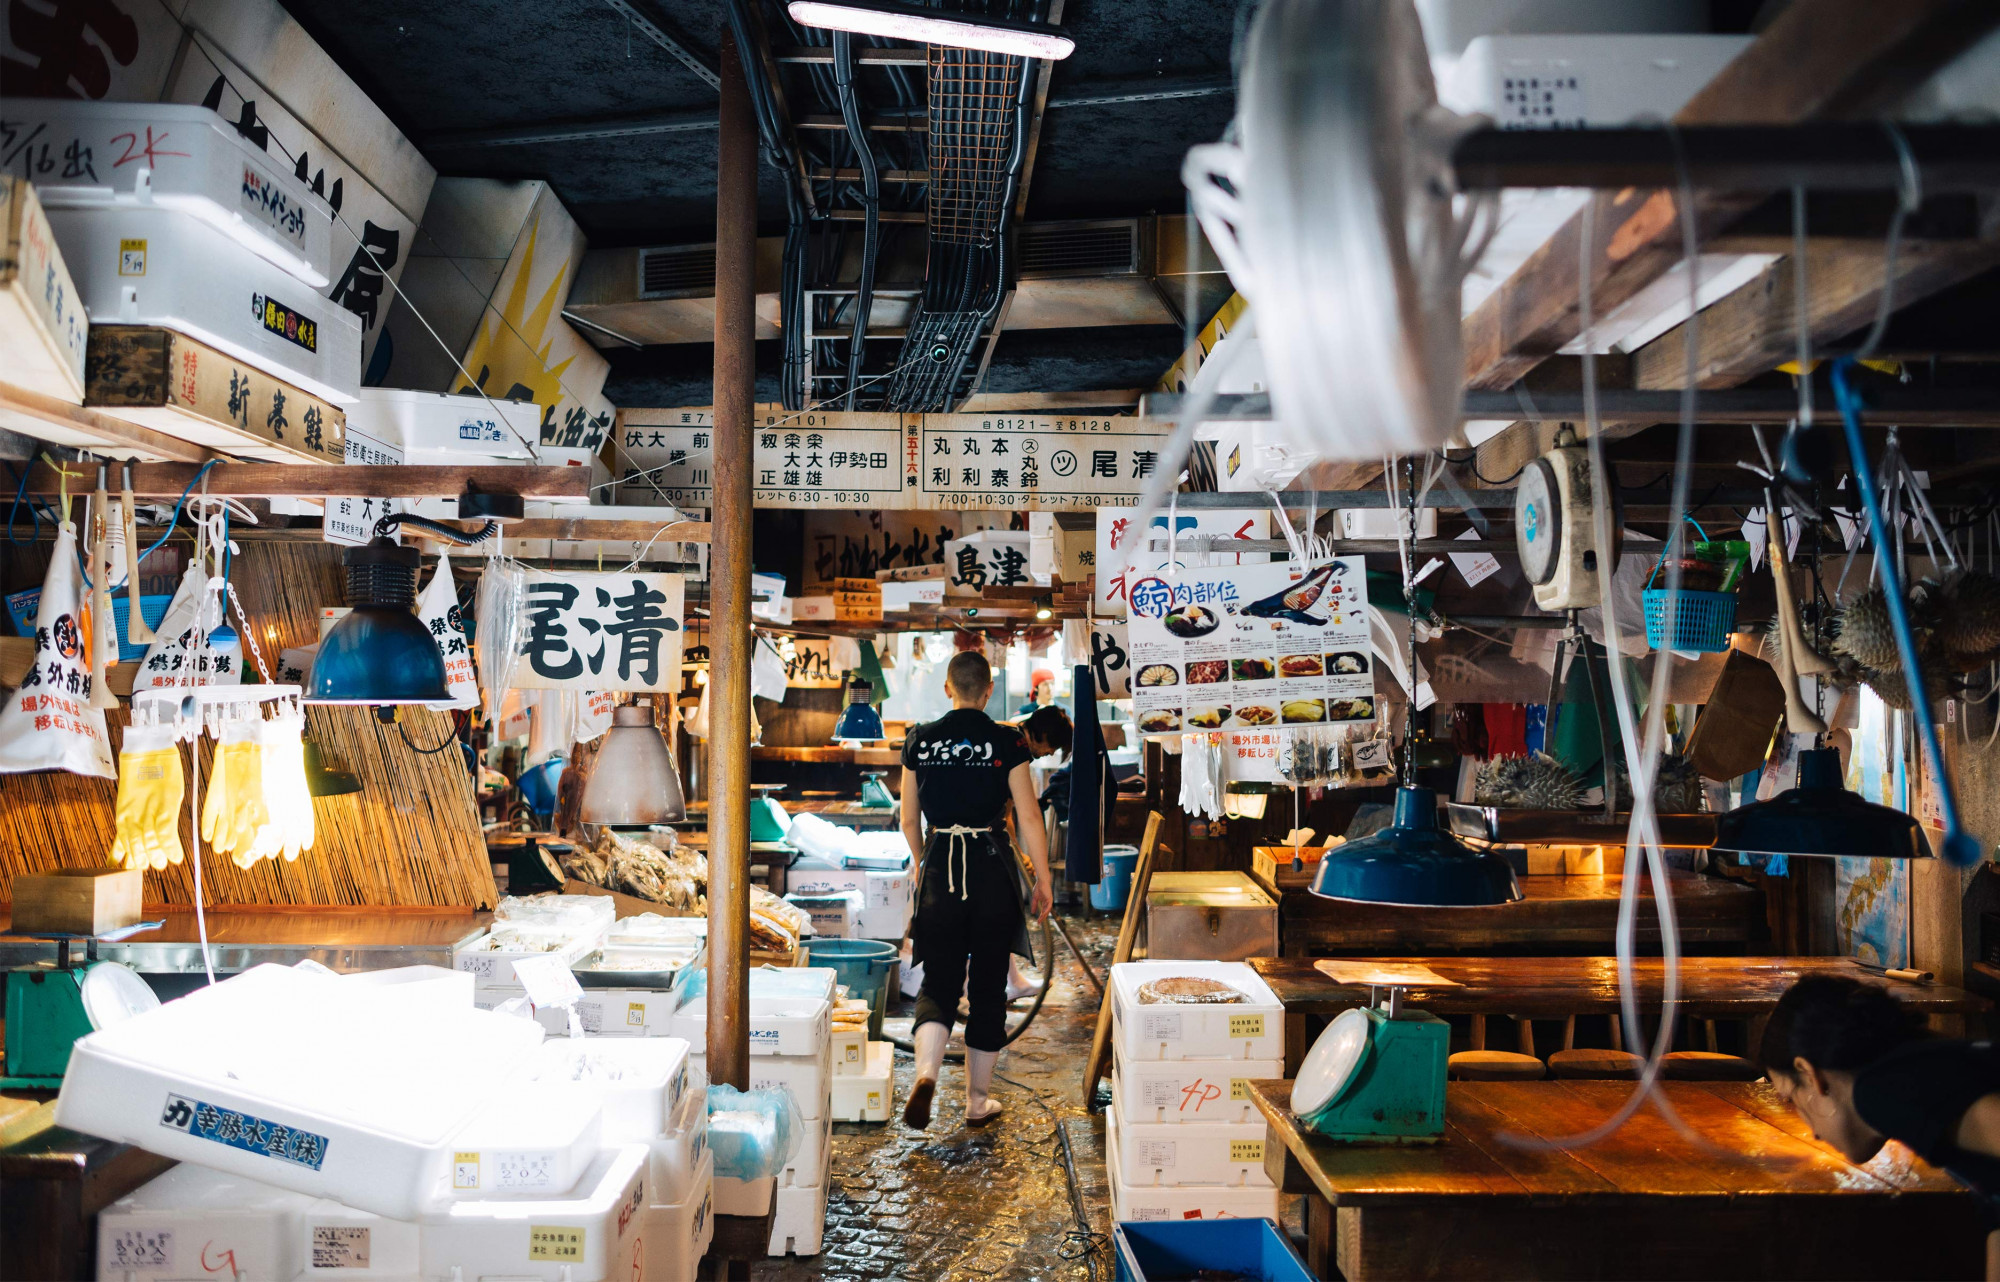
[1272, 867]
[77, 901]
[169, 382]
[42, 325]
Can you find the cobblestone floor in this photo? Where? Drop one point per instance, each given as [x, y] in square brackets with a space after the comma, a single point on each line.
[951, 1203]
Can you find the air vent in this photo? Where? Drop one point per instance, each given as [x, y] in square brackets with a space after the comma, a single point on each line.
[1106, 247]
[676, 271]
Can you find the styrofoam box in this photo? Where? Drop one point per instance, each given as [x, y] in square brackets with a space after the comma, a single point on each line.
[799, 1219]
[677, 1155]
[337, 1241]
[1179, 1202]
[1226, 1153]
[850, 1051]
[638, 1084]
[436, 987]
[808, 1077]
[743, 1197]
[808, 1164]
[496, 965]
[836, 914]
[794, 981]
[297, 1080]
[617, 1012]
[1190, 1090]
[184, 158]
[143, 265]
[885, 895]
[869, 1096]
[536, 1138]
[792, 1027]
[176, 1225]
[448, 424]
[1570, 81]
[675, 1235]
[1235, 1030]
[590, 1236]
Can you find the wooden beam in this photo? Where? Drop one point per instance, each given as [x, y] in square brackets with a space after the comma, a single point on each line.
[309, 480]
[1029, 402]
[1819, 59]
[93, 430]
[604, 531]
[1754, 329]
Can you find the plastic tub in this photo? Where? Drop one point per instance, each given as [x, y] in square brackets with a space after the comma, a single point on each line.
[1184, 1248]
[863, 965]
[1108, 895]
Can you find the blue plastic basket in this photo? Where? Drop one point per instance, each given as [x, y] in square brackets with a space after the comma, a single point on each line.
[1702, 620]
[1180, 1248]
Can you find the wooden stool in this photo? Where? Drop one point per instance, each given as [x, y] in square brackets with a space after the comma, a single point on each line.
[1574, 1064]
[1709, 1065]
[1482, 1065]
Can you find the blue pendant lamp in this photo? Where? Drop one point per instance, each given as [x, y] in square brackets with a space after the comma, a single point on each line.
[859, 719]
[1416, 863]
[1820, 817]
[381, 654]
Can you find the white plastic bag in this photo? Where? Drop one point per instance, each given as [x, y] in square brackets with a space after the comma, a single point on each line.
[49, 724]
[767, 671]
[437, 606]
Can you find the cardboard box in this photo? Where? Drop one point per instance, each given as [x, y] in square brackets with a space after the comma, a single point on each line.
[42, 325]
[77, 901]
[167, 381]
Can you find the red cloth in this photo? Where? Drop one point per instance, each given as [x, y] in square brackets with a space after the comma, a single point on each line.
[1506, 729]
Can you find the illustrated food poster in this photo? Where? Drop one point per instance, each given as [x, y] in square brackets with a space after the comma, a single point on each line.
[1250, 646]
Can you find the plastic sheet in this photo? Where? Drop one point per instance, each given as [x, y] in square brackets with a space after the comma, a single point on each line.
[752, 1133]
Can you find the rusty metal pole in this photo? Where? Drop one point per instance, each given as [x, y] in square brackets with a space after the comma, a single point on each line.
[729, 581]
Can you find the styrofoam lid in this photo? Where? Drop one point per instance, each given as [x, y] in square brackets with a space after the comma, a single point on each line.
[114, 993]
[188, 1187]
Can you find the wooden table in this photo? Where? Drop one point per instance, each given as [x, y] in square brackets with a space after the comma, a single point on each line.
[1557, 914]
[53, 1182]
[1753, 1197]
[1744, 988]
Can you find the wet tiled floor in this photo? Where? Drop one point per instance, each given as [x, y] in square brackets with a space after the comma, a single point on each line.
[951, 1203]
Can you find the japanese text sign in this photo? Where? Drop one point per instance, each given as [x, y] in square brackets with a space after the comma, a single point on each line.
[1120, 558]
[601, 632]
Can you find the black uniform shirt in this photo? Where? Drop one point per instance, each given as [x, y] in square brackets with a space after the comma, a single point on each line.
[960, 763]
[1919, 1094]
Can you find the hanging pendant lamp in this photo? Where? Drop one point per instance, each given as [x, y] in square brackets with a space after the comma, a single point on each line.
[1822, 819]
[1415, 863]
[634, 782]
[859, 719]
[380, 654]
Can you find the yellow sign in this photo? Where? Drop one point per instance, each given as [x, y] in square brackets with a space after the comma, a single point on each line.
[465, 1170]
[559, 1242]
[1246, 1025]
[1246, 1150]
[131, 258]
[635, 1014]
[1239, 1088]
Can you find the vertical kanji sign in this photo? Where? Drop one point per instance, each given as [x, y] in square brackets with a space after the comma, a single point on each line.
[602, 632]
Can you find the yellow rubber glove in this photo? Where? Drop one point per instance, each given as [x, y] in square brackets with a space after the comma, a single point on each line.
[234, 808]
[150, 790]
[288, 826]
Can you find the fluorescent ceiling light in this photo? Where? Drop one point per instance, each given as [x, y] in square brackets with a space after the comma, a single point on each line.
[922, 25]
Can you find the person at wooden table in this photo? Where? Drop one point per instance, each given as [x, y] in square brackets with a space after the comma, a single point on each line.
[963, 771]
[1861, 1070]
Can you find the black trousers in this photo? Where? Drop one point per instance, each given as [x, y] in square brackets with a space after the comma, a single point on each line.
[967, 918]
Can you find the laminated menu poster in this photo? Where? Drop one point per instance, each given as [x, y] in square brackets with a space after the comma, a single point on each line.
[1243, 647]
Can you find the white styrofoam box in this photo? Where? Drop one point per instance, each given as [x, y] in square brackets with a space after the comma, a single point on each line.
[792, 1027]
[1378, 522]
[298, 1080]
[836, 914]
[743, 1197]
[184, 1223]
[1230, 1153]
[534, 1139]
[42, 326]
[1179, 1201]
[183, 158]
[885, 909]
[445, 427]
[638, 1084]
[813, 609]
[144, 265]
[812, 982]
[808, 1164]
[1191, 1090]
[1234, 1030]
[490, 996]
[776, 610]
[850, 1051]
[571, 456]
[591, 1236]
[799, 1220]
[675, 1235]
[1259, 455]
[867, 1097]
[902, 597]
[491, 961]
[434, 987]
[808, 1077]
[339, 1242]
[677, 1155]
[617, 1012]
[1574, 81]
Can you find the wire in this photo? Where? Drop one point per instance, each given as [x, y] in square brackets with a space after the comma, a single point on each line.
[175, 518]
[450, 740]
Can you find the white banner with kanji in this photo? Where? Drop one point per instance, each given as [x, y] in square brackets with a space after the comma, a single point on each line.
[601, 631]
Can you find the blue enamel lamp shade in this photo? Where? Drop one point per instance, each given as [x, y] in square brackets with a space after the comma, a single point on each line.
[381, 653]
[859, 719]
[1415, 862]
[1820, 817]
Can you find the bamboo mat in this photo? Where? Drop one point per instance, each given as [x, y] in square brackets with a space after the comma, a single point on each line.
[411, 836]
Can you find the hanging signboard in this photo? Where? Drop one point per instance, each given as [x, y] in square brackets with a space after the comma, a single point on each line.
[601, 632]
[988, 559]
[350, 519]
[1118, 545]
[1250, 647]
[855, 545]
[809, 663]
[1110, 663]
[818, 458]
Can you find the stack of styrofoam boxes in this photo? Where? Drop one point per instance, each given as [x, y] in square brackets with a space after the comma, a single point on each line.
[791, 1015]
[566, 927]
[885, 894]
[836, 914]
[630, 989]
[1183, 1137]
[864, 1077]
[168, 216]
[447, 429]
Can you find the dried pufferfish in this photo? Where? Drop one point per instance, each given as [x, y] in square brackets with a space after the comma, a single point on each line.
[1954, 621]
[1534, 782]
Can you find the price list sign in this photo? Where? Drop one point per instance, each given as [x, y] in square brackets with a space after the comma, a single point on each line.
[1250, 647]
[978, 460]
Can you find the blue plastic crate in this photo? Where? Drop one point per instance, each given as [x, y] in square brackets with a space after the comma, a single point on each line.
[1157, 1250]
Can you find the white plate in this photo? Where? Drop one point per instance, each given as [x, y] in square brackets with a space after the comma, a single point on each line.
[1331, 1063]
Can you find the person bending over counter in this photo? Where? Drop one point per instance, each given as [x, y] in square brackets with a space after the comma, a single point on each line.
[1860, 1069]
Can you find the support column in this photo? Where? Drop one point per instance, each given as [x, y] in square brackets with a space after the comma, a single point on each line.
[729, 581]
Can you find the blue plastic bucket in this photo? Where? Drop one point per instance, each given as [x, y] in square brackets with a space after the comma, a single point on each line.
[864, 965]
[1251, 1249]
[1109, 894]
